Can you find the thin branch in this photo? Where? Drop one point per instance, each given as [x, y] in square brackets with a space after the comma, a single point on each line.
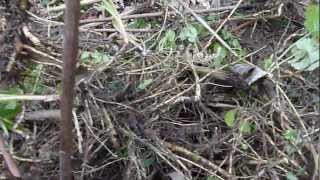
[70, 49]
[47, 98]
[159, 13]
[63, 6]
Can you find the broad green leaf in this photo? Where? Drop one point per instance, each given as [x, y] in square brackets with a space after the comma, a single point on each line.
[312, 20]
[290, 135]
[190, 33]
[306, 55]
[85, 55]
[9, 109]
[291, 176]
[168, 41]
[246, 127]
[144, 84]
[230, 117]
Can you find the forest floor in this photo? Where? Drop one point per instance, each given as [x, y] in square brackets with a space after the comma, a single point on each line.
[175, 90]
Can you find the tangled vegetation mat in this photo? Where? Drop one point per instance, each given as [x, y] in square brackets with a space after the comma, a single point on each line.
[176, 90]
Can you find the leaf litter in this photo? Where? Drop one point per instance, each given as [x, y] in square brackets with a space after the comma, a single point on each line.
[152, 112]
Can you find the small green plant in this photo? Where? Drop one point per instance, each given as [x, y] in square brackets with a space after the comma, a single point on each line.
[291, 176]
[93, 58]
[190, 33]
[148, 159]
[305, 53]
[168, 41]
[220, 54]
[137, 23]
[144, 84]
[267, 63]
[290, 135]
[246, 127]
[9, 110]
[33, 83]
[233, 42]
[115, 86]
[230, 117]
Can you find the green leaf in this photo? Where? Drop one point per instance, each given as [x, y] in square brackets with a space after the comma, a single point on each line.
[212, 178]
[246, 127]
[244, 146]
[233, 41]
[99, 57]
[202, 31]
[190, 33]
[85, 56]
[137, 23]
[4, 128]
[9, 110]
[312, 20]
[229, 118]
[123, 152]
[168, 41]
[306, 55]
[44, 3]
[212, 18]
[148, 162]
[110, 7]
[267, 63]
[144, 84]
[291, 176]
[220, 55]
[33, 83]
[114, 86]
[93, 58]
[290, 135]
[226, 35]
[116, 19]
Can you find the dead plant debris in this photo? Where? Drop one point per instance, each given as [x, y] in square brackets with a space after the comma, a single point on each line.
[163, 92]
